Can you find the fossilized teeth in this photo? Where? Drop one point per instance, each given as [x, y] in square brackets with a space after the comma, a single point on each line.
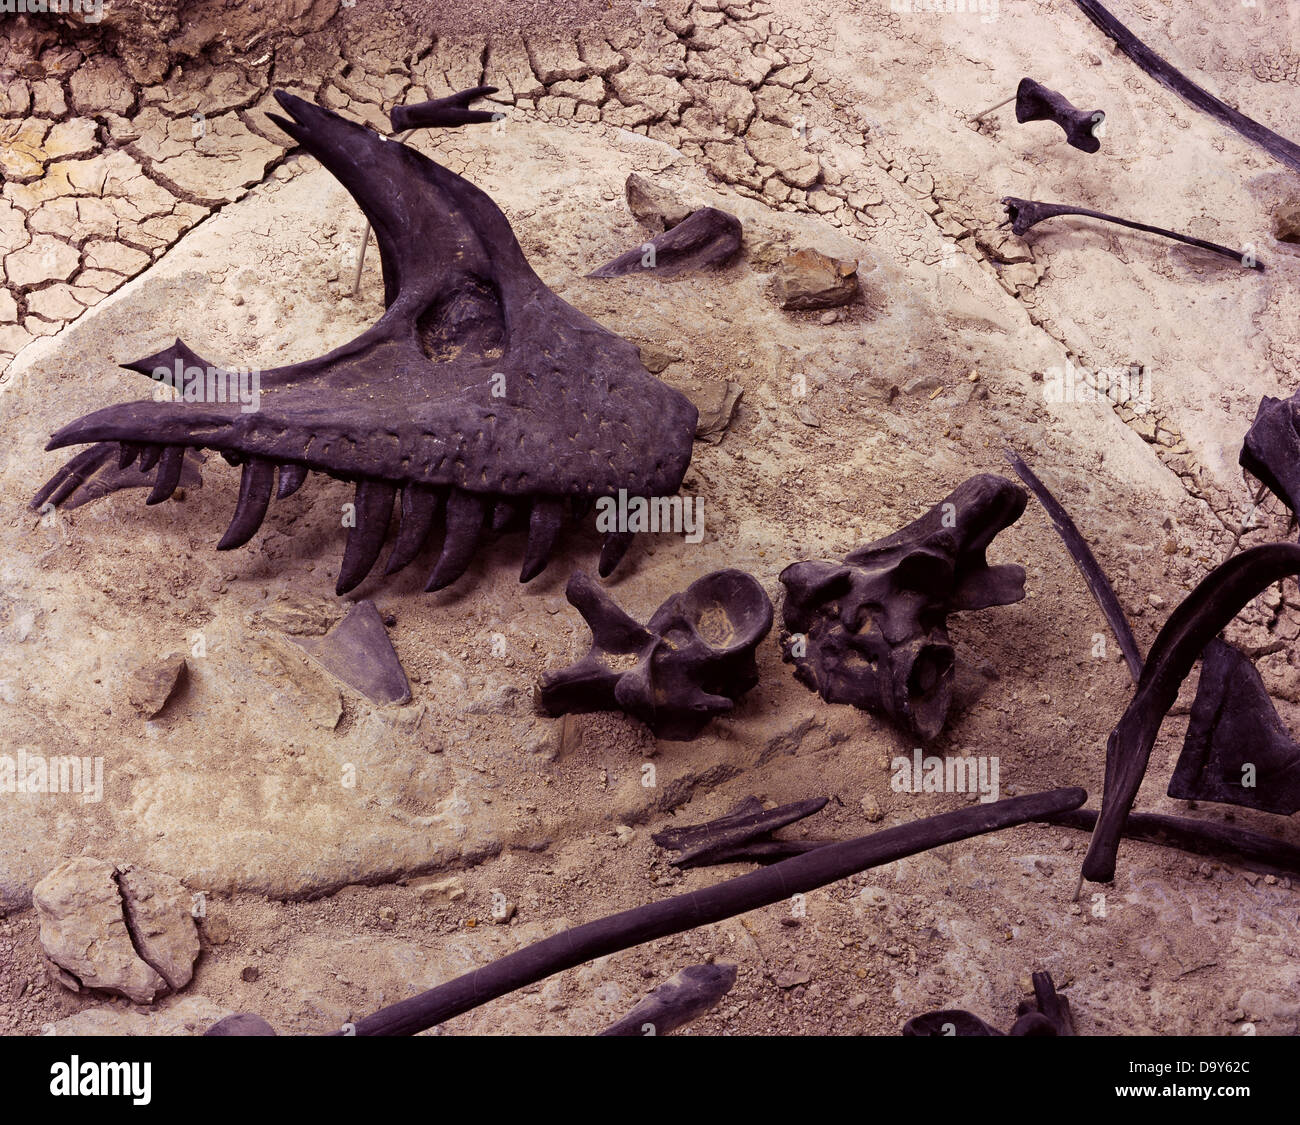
[68, 479]
[465, 513]
[543, 529]
[420, 504]
[169, 474]
[254, 496]
[149, 457]
[130, 451]
[373, 509]
[291, 477]
[613, 549]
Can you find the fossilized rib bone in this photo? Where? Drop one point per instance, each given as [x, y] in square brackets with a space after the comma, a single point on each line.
[1288, 152]
[1102, 591]
[872, 630]
[479, 395]
[1025, 213]
[1198, 619]
[1236, 750]
[705, 238]
[745, 833]
[1204, 837]
[1035, 102]
[698, 908]
[1271, 450]
[691, 661]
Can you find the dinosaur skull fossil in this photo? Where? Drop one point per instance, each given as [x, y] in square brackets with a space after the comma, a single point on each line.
[479, 396]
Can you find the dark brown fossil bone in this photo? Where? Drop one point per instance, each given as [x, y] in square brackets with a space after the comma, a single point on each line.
[691, 661]
[358, 652]
[1035, 102]
[1235, 737]
[1288, 152]
[1102, 591]
[1025, 213]
[1204, 837]
[241, 1023]
[1048, 1014]
[1271, 450]
[479, 392]
[96, 472]
[698, 908]
[1198, 619]
[736, 835]
[682, 998]
[705, 239]
[872, 630]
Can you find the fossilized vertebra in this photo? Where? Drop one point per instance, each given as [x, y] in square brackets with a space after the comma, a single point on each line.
[872, 630]
[691, 661]
[479, 395]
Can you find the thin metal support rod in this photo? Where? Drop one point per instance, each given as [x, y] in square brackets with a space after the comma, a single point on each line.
[365, 234]
[985, 113]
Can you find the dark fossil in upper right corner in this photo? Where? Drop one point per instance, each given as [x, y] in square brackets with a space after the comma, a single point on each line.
[1271, 450]
[872, 630]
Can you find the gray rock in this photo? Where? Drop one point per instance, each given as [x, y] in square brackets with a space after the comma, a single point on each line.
[84, 933]
[652, 204]
[152, 685]
[158, 916]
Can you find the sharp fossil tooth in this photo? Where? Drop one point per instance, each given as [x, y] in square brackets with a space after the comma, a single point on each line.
[543, 529]
[254, 496]
[169, 474]
[503, 515]
[374, 508]
[149, 457]
[465, 512]
[613, 549]
[291, 477]
[420, 504]
[130, 451]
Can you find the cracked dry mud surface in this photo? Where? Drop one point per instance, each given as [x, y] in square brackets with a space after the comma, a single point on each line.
[125, 219]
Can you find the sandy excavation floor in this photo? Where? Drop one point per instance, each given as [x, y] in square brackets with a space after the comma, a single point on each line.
[126, 220]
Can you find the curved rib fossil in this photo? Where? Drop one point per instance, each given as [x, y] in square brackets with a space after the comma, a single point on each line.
[698, 908]
[1288, 152]
[1025, 213]
[1102, 591]
[1198, 619]
[479, 393]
